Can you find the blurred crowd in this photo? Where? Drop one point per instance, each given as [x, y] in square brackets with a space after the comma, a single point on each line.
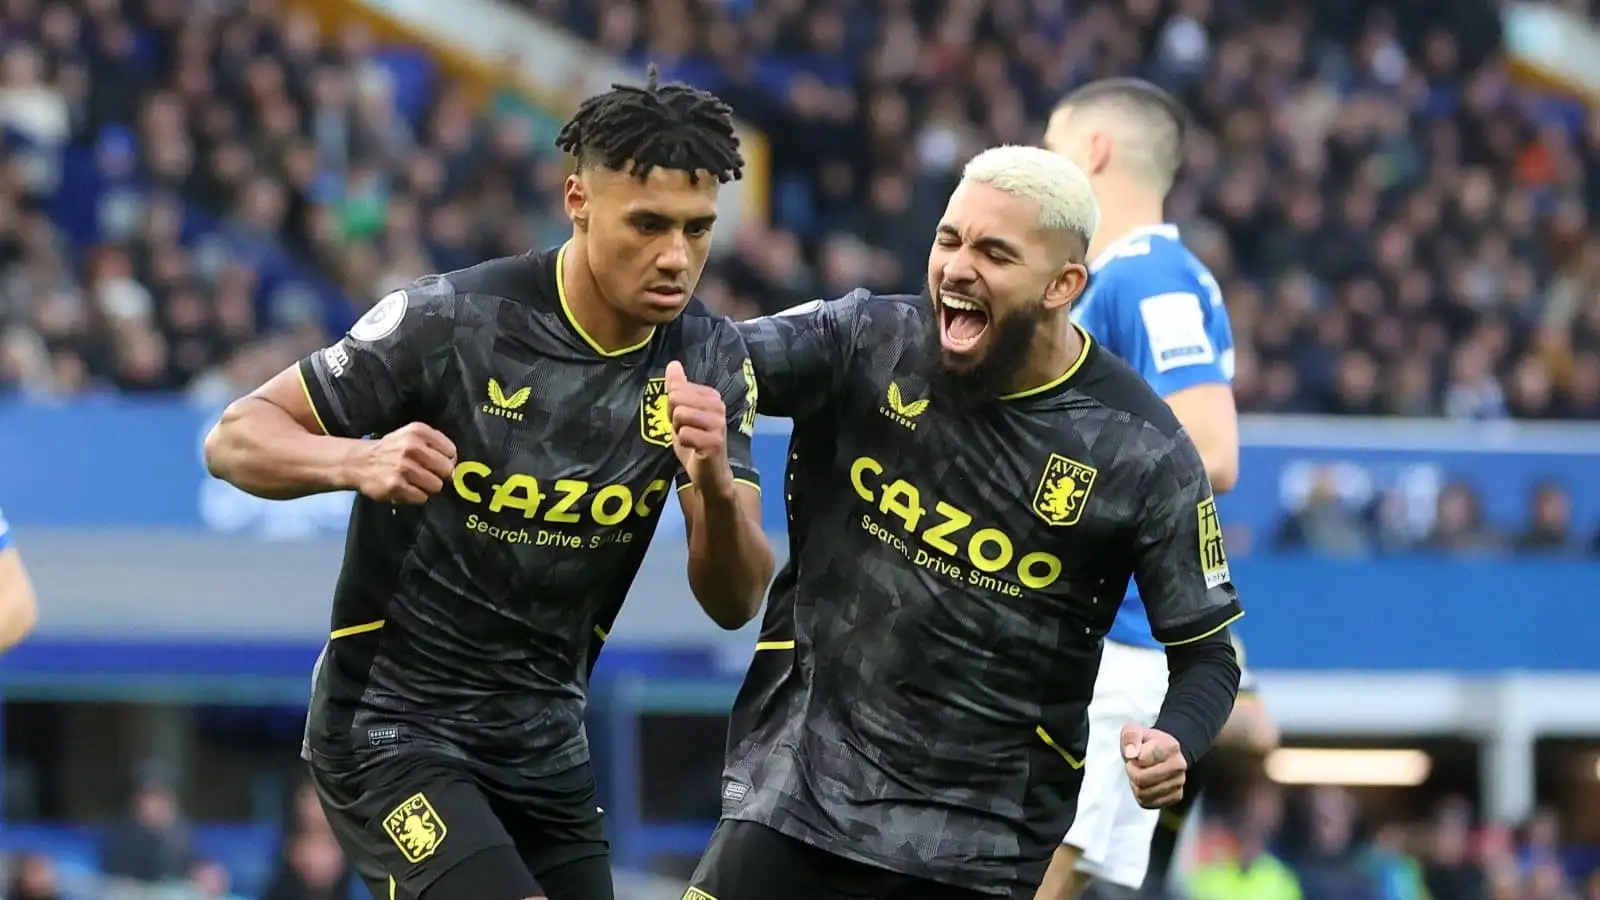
[1336, 523]
[1399, 229]
[1313, 845]
[151, 855]
[1256, 843]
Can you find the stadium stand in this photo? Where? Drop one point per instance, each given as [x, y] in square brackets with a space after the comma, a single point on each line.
[194, 194]
[1399, 231]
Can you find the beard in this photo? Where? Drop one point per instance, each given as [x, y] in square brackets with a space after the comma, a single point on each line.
[994, 372]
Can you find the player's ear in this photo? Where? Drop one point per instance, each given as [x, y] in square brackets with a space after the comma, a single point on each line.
[1099, 152]
[576, 200]
[1067, 286]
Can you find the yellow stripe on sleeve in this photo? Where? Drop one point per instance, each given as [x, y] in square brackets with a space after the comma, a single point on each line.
[354, 630]
[1200, 637]
[306, 387]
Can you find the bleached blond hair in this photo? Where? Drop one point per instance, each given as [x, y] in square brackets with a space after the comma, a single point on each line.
[1061, 190]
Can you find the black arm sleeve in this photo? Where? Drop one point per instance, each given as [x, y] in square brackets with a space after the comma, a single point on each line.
[801, 355]
[1202, 683]
[373, 379]
[1183, 576]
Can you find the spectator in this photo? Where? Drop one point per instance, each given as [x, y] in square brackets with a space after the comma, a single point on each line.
[29, 105]
[33, 877]
[1328, 866]
[305, 869]
[1240, 865]
[1548, 881]
[1541, 840]
[314, 869]
[1549, 527]
[153, 846]
[1449, 871]
[1497, 852]
[1324, 524]
[1459, 528]
[209, 880]
[1395, 873]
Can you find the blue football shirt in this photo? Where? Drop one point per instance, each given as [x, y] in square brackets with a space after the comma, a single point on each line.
[1153, 303]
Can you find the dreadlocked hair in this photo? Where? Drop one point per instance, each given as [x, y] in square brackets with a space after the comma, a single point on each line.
[668, 126]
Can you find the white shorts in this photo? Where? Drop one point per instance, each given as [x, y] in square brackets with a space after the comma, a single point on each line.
[1112, 831]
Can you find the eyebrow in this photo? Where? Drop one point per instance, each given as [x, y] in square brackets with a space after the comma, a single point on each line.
[989, 244]
[648, 215]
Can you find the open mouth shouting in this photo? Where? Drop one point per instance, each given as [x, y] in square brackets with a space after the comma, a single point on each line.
[962, 322]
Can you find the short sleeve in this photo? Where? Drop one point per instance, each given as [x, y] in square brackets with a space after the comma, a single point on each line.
[728, 367]
[372, 381]
[5, 531]
[1169, 333]
[800, 355]
[1180, 563]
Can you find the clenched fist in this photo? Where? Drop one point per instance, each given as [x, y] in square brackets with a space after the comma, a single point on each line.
[408, 465]
[1155, 764]
[699, 432]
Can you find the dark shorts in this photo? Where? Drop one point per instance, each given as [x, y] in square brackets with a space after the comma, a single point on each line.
[412, 820]
[746, 861]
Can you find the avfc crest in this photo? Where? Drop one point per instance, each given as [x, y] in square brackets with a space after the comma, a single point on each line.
[1063, 490]
[415, 828]
[655, 418]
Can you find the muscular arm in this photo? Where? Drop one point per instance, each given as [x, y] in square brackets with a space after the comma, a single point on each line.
[730, 561]
[300, 433]
[270, 444]
[1208, 413]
